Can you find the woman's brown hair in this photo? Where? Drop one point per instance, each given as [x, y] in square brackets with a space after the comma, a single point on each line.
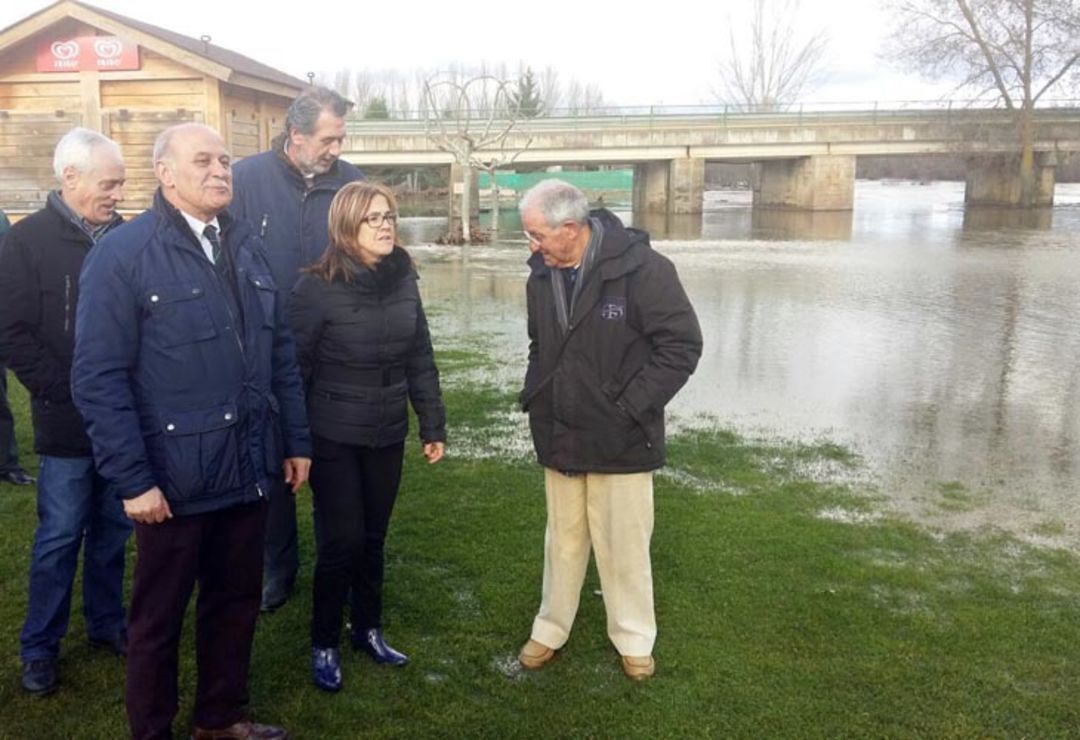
[347, 212]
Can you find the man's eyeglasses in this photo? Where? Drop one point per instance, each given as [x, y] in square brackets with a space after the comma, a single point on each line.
[375, 220]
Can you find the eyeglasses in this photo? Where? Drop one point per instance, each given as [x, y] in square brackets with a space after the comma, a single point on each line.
[535, 239]
[375, 220]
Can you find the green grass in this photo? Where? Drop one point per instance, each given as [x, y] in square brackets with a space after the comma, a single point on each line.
[778, 616]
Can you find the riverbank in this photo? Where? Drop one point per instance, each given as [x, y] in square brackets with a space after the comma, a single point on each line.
[790, 605]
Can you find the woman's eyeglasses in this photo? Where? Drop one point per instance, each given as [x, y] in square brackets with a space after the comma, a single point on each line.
[375, 220]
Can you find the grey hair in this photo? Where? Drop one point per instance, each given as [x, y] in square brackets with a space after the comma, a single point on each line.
[557, 200]
[304, 112]
[76, 149]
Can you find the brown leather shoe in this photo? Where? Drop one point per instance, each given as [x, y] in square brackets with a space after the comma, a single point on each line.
[638, 668]
[243, 730]
[535, 655]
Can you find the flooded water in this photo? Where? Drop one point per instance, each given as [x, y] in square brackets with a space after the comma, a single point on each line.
[943, 346]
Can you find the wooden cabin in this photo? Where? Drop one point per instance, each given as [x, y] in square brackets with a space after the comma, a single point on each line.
[72, 64]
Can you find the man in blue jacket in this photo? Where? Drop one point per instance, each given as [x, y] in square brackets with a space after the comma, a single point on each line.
[186, 376]
[286, 192]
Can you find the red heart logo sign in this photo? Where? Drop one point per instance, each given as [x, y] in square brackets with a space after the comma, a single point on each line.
[108, 48]
[65, 49]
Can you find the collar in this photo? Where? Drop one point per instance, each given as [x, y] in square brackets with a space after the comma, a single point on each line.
[93, 231]
[198, 226]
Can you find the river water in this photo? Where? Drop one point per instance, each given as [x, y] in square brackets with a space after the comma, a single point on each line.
[941, 345]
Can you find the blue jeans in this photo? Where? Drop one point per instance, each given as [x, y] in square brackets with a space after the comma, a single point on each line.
[73, 501]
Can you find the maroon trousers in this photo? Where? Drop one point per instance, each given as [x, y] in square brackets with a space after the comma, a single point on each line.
[222, 551]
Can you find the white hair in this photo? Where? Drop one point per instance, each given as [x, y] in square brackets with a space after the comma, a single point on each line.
[557, 200]
[76, 149]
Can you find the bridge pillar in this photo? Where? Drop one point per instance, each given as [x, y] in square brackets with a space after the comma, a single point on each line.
[675, 187]
[686, 185]
[819, 183]
[650, 187]
[457, 186]
[995, 180]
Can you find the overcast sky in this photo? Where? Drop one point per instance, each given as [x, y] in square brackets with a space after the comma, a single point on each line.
[664, 53]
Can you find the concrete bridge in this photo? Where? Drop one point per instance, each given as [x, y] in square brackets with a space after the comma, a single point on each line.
[806, 160]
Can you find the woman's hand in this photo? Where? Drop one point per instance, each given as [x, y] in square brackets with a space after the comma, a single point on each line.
[433, 451]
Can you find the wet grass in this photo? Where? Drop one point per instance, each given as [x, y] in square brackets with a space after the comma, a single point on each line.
[789, 605]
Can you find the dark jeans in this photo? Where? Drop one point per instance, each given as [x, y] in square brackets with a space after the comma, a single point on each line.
[354, 489]
[9, 451]
[222, 551]
[76, 510]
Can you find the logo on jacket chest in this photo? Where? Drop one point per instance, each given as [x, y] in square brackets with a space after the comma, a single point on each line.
[613, 308]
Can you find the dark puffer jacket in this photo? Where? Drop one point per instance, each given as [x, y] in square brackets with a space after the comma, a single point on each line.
[40, 261]
[363, 348]
[596, 392]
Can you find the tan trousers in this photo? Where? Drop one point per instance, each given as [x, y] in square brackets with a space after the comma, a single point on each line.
[612, 514]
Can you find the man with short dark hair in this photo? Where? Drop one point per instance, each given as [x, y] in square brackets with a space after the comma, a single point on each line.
[186, 375]
[612, 338]
[39, 291]
[286, 192]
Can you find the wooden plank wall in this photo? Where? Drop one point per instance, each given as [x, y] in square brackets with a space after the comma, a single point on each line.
[27, 141]
[135, 132]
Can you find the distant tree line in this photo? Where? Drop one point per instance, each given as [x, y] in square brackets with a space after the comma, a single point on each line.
[394, 93]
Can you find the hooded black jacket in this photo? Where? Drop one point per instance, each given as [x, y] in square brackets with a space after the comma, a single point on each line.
[596, 392]
[40, 260]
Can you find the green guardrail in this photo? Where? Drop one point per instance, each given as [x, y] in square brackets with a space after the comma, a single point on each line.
[589, 181]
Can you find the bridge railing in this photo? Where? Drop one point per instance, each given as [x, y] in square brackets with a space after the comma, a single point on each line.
[736, 114]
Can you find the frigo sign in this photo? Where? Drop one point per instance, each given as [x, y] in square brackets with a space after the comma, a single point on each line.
[86, 53]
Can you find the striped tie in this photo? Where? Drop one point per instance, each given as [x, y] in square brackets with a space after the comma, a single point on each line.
[215, 244]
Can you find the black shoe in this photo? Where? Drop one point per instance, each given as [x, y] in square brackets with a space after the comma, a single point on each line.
[372, 642]
[117, 644]
[39, 676]
[274, 597]
[18, 478]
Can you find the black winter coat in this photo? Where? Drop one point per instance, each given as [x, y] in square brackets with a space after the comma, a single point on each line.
[363, 348]
[596, 392]
[40, 261]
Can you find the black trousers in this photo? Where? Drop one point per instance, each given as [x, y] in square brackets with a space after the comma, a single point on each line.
[222, 551]
[281, 558]
[354, 489]
[9, 452]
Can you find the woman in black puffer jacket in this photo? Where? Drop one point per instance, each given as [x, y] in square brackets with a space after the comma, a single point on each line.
[364, 349]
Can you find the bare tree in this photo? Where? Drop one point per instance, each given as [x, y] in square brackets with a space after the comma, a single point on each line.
[471, 120]
[768, 68]
[1012, 50]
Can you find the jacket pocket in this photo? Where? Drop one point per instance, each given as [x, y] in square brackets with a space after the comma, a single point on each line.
[201, 452]
[179, 314]
[266, 290]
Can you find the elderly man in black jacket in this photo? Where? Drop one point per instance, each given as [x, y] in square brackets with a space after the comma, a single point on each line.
[612, 338]
[39, 290]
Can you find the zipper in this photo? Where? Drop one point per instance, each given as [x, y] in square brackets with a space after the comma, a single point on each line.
[67, 304]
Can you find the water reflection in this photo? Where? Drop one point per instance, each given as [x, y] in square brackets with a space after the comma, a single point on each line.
[945, 351]
[992, 219]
